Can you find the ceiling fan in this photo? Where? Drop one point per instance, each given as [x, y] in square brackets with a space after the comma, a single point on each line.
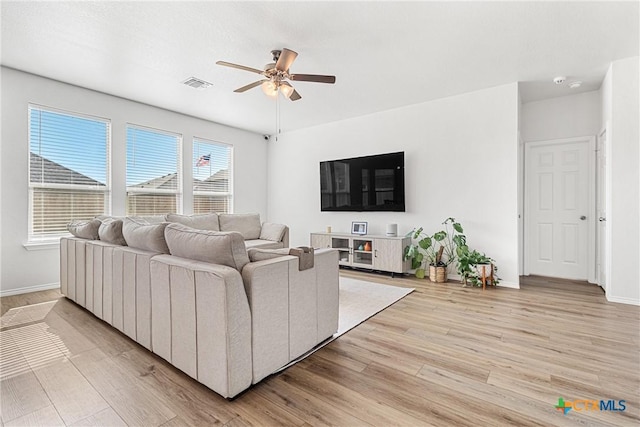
[276, 75]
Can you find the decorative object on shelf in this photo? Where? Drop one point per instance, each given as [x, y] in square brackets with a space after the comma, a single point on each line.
[437, 251]
[361, 248]
[392, 230]
[367, 246]
[359, 227]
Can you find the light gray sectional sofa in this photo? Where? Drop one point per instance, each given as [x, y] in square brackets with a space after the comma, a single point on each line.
[193, 296]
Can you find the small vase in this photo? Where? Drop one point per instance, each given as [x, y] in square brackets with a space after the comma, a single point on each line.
[367, 246]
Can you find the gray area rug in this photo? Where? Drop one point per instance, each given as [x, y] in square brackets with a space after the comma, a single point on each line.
[359, 300]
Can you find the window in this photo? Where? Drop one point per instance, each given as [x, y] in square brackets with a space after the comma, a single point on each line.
[212, 186]
[153, 171]
[68, 170]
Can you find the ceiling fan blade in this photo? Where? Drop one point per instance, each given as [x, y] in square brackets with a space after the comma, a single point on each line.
[240, 67]
[250, 86]
[285, 60]
[313, 78]
[295, 95]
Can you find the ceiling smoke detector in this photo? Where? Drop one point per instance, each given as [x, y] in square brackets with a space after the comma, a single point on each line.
[559, 80]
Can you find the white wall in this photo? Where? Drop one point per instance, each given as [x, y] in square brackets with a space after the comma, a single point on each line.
[27, 270]
[460, 160]
[620, 94]
[562, 117]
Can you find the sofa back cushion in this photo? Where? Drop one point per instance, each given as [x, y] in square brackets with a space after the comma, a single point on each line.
[141, 234]
[216, 247]
[208, 221]
[151, 219]
[110, 231]
[246, 224]
[84, 229]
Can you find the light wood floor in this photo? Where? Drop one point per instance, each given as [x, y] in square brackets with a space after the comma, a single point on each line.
[444, 355]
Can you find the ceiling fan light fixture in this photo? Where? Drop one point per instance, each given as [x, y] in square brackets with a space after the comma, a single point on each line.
[270, 89]
[286, 90]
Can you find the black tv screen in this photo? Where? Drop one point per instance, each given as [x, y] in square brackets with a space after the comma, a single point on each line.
[371, 183]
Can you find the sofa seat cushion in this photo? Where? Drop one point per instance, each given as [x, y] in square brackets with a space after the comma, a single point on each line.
[246, 224]
[263, 244]
[207, 221]
[85, 229]
[141, 234]
[261, 254]
[216, 247]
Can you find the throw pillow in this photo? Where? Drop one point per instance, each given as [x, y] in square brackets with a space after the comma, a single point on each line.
[110, 231]
[246, 224]
[143, 235]
[256, 254]
[272, 232]
[207, 221]
[84, 229]
[216, 247]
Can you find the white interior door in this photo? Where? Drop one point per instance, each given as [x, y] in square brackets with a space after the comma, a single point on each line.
[601, 197]
[558, 208]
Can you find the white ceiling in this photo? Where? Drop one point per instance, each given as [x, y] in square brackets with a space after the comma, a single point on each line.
[385, 54]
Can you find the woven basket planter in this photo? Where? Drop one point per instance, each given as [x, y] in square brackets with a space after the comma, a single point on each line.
[437, 274]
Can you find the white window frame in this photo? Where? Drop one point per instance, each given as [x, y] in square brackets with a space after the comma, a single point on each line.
[178, 192]
[36, 240]
[229, 193]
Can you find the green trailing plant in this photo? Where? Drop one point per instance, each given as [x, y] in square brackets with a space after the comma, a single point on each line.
[468, 261]
[437, 249]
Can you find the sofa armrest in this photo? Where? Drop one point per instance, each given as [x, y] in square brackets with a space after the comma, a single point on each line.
[201, 322]
[267, 287]
[276, 233]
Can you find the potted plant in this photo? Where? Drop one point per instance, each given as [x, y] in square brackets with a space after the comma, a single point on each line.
[437, 251]
[473, 266]
[416, 252]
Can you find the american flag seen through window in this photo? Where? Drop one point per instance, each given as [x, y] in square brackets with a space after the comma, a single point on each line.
[203, 160]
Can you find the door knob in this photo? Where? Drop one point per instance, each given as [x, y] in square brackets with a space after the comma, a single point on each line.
[602, 219]
[582, 218]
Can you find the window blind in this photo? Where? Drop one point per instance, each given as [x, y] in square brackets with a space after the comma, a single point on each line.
[68, 170]
[212, 175]
[153, 171]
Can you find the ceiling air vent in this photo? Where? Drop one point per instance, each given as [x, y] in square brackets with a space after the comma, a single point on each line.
[197, 83]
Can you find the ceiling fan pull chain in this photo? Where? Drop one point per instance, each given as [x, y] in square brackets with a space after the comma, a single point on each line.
[277, 115]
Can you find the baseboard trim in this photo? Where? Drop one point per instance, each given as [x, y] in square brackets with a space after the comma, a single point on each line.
[511, 285]
[622, 300]
[29, 289]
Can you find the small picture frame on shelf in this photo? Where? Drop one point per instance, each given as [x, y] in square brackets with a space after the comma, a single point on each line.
[359, 227]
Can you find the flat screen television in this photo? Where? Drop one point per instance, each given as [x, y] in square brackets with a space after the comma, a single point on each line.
[363, 184]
